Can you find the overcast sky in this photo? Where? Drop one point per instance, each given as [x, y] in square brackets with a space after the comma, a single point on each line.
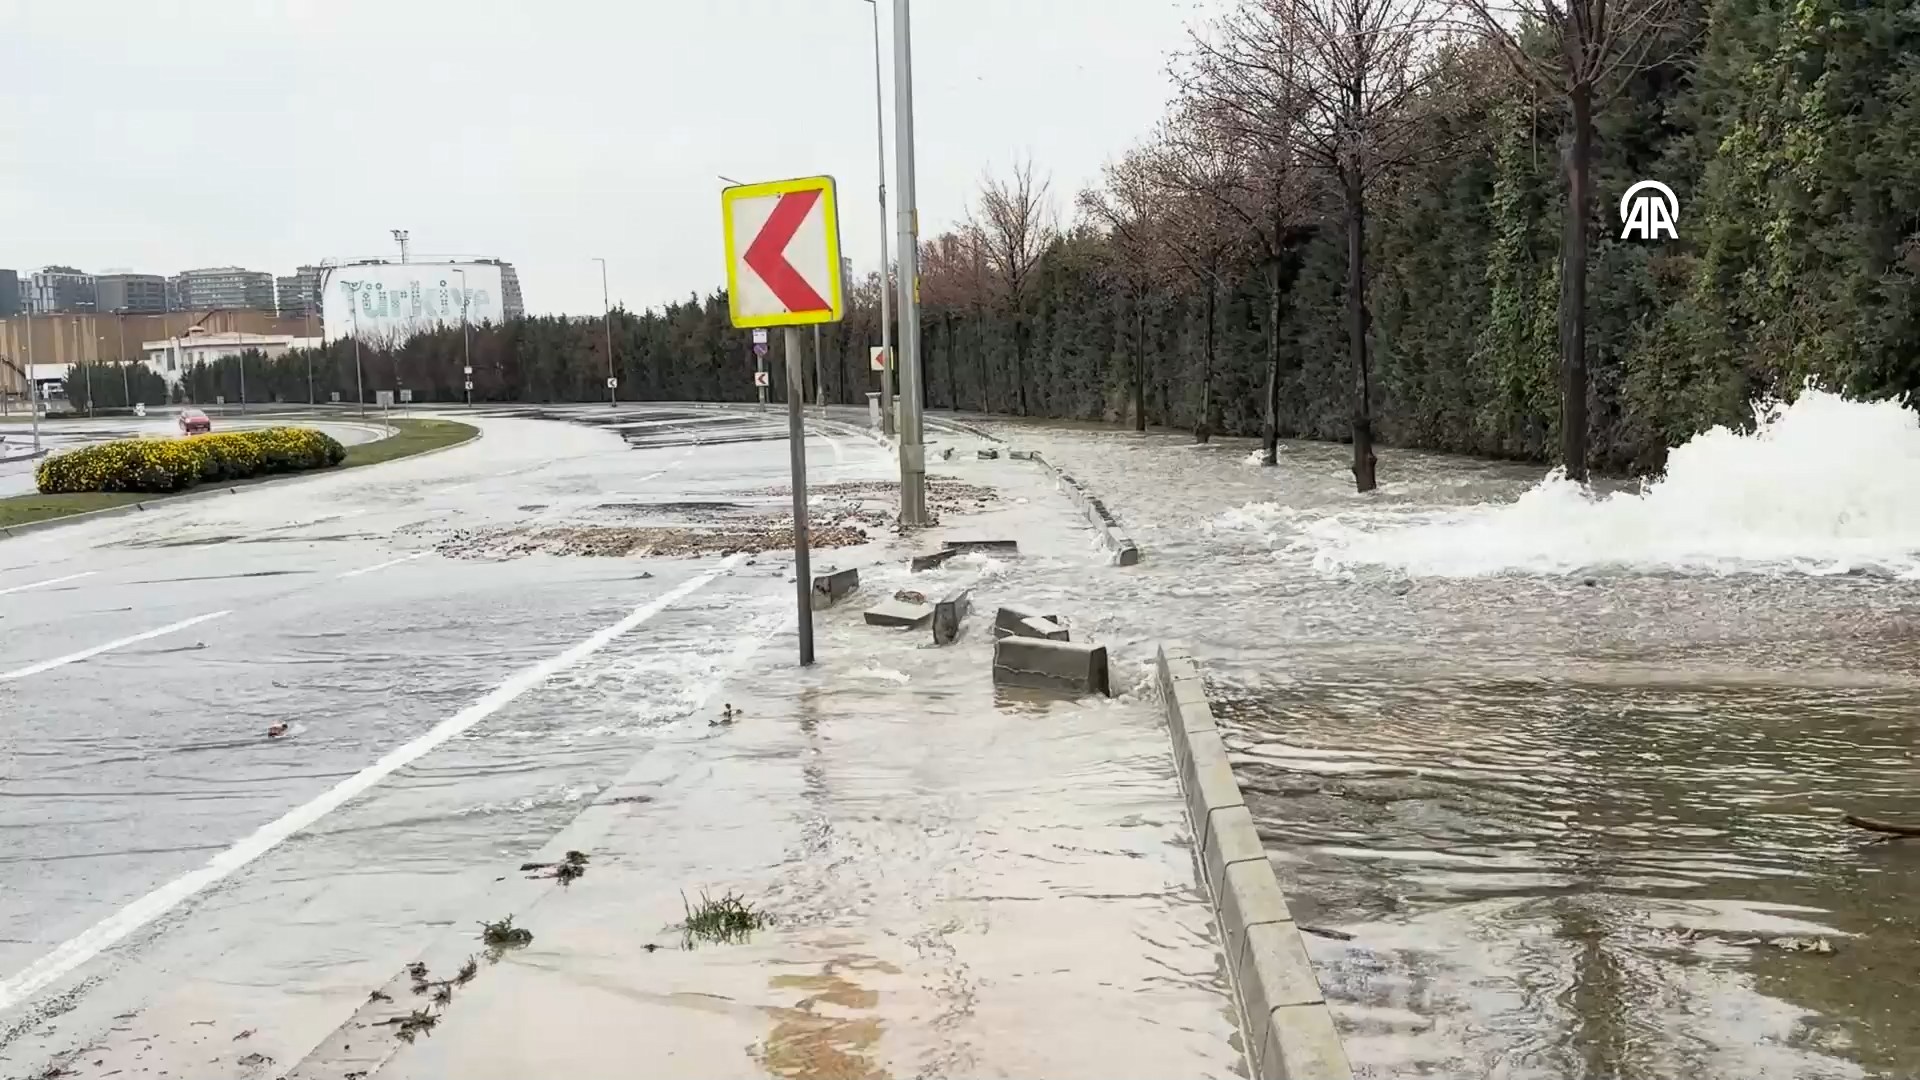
[159, 135]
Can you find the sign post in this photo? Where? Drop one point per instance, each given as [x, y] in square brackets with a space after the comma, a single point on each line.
[760, 363]
[784, 269]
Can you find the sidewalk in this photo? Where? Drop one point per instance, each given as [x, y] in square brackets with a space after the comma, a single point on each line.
[958, 884]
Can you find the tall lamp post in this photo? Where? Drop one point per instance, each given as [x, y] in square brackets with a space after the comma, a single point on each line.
[913, 461]
[466, 333]
[886, 260]
[606, 319]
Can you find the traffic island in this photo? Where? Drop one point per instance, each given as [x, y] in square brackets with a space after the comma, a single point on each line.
[21, 514]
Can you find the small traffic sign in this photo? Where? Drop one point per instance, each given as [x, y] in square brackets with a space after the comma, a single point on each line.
[406, 397]
[336, 397]
[468, 371]
[759, 348]
[612, 382]
[783, 253]
[761, 378]
[877, 356]
[383, 398]
[760, 337]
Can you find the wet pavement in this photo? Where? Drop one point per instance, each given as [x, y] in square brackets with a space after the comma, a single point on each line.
[185, 895]
[1571, 777]
[956, 883]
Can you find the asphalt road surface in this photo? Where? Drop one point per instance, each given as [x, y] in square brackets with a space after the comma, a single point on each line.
[162, 858]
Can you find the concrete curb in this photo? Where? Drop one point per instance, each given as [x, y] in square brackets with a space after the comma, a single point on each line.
[1286, 1028]
[1125, 551]
[8, 533]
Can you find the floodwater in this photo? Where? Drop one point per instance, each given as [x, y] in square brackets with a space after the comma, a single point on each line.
[1569, 771]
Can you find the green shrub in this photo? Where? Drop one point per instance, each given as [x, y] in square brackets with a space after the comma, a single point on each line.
[161, 465]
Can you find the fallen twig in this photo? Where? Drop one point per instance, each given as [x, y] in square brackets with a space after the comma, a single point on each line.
[1872, 825]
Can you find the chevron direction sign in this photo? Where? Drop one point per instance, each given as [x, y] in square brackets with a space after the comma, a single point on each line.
[783, 253]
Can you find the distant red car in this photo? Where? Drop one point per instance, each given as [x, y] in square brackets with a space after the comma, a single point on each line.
[194, 422]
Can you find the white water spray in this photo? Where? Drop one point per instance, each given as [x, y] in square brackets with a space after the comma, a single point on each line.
[1821, 486]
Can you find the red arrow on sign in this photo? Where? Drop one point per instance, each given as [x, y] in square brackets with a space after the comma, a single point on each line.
[767, 255]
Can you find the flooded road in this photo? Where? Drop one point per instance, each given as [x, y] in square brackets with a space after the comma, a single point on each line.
[1570, 774]
[167, 861]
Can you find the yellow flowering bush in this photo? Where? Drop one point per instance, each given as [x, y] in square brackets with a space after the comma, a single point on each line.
[176, 464]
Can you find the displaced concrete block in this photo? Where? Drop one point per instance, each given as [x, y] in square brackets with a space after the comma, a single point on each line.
[948, 613]
[1018, 621]
[1061, 666]
[1301, 1044]
[981, 545]
[1231, 838]
[1041, 628]
[1126, 552]
[1273, 972]
[989, 455]
[834, 586]
[898, 613]
[929, 562]
[1022, 455]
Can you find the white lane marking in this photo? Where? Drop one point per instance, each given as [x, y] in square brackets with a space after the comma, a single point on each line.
[49, 581]
[74, 658]
[382, 566]
[105, 933]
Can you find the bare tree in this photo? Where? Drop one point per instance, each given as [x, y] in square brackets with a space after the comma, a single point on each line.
[1589, 49]
[1230, 141]
[1015, 227]
[1200, 240]
[1128, 210]
[1354, 75]
[954, 279]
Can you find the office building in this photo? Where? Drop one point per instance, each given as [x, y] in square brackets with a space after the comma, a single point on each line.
[299, 293]
[512, 305]
[221, 287]
[11, 294]
[60, 290]
[130, 294]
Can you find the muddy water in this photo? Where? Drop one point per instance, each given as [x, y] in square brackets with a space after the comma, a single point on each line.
[1575, 817]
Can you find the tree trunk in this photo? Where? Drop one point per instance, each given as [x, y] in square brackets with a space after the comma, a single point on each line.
[1363, 459]
[1205, 430]
[1573, 289]
[1270, 437]
[1140, 361]
[1020, 364]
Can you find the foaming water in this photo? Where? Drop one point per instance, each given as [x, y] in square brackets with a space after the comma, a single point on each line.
[1824, 485]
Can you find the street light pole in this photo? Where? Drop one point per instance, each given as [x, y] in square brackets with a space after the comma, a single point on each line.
[466, 334]
[309, 351]
[606, 319]
[359, 380]
[33, 385]
[886, 260]
[913, 463]
[126, 386]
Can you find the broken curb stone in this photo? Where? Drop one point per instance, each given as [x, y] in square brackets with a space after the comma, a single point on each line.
[948, 614]
[929, 562]
[834, 586]
[899, 613]
[1016, 622]
[1064, 667]
[989, 455]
